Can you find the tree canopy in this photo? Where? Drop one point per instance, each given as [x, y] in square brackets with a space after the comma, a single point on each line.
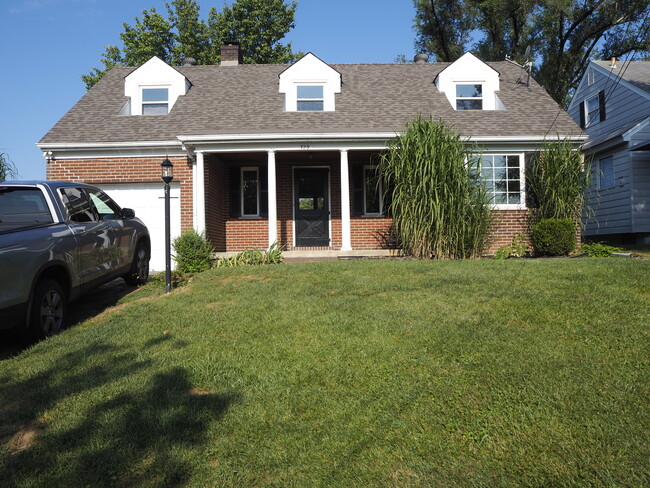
[258, 25]
[563, 34]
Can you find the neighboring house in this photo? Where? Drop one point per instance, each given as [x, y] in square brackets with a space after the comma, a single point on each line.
[287, 153]
[612, 104]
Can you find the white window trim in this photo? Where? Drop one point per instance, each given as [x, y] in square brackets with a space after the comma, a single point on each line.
[481, 98]
[256, 169]
[591, 77]
[588, 121]
[143, 87]
[522, 183]
[366, 168]
[322, 99]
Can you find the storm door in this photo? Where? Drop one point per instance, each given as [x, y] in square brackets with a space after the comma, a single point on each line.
[311, 207]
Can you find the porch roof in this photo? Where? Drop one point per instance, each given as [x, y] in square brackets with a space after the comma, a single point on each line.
[244, 99]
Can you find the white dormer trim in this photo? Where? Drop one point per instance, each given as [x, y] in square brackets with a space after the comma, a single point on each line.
[155, 73]
[309, 71]
[469, 70]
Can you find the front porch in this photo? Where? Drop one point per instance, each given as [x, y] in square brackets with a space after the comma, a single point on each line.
[326, 202]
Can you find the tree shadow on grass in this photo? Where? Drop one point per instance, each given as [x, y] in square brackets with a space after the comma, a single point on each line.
[74, 425]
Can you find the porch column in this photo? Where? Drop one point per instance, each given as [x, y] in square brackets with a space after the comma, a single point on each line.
[346, 244]
[272, 192]
[198, 180]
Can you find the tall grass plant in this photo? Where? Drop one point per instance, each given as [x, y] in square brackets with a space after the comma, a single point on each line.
[440, 208]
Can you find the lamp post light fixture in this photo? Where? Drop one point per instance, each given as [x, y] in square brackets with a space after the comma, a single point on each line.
[167, 176]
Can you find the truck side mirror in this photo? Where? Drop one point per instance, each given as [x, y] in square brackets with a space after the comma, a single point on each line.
[128, 213]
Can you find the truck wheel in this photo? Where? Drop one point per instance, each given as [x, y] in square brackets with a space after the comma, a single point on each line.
[139, 272]
[49, 309]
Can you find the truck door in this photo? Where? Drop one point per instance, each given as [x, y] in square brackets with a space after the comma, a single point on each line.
[93, 236]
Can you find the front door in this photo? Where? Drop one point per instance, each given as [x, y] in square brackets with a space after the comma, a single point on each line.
[312, 207]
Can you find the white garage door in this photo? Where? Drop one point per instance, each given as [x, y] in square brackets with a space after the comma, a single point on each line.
[148, 201]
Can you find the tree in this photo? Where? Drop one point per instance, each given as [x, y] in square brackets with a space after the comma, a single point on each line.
[563, 34]
[7, 167]
[258, 25]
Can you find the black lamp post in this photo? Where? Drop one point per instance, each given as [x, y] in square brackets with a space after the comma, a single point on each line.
[167, 177]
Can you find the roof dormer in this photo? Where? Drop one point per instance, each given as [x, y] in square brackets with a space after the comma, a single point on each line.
[153, 88]
[470, 84]
[309, 85]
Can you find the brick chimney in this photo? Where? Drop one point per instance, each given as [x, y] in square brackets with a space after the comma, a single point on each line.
[231, 54]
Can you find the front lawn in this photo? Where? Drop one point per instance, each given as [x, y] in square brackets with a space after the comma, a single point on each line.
[358, 373]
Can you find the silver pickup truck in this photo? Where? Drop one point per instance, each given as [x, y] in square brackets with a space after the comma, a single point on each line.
[58, 240]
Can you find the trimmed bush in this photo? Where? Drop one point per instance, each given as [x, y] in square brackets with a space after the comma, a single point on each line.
[554, 237]
[193, 252]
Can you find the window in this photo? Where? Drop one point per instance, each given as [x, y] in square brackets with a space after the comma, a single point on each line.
[502, 175]
[590, 77]
[23, 206]
[592, 108]
[105, 207]
[78, 205]
[606, 173]
[250, 192]
[310, 98]
[373, 191]
[469, 97]
[155, 101]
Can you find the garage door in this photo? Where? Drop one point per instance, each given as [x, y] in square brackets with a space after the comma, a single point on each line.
[148, 201]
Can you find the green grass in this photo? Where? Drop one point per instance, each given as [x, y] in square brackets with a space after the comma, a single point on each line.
[358, 373]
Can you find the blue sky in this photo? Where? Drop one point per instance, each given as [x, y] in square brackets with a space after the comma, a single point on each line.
[48, 44]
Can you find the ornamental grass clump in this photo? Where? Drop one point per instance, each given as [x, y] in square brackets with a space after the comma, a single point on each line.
[556, 180]
[440, 207]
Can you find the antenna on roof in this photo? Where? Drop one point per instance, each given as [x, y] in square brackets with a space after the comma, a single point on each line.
[528, 65]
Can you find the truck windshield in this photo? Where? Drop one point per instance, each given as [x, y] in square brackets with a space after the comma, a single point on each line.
[23, 206]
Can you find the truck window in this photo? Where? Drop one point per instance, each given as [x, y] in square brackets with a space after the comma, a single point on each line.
[78, 205]
[23, 206]
[105, 207]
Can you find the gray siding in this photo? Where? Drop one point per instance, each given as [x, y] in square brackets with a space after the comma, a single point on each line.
[641, 192]
[623, 105]
[611, 205]
[623, 207]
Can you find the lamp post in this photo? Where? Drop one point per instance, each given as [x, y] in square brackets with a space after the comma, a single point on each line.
[167, 176]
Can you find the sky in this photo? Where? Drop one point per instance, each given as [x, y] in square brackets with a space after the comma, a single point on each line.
[48, 44]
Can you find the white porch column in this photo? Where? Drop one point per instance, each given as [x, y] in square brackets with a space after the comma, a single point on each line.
[272, 192]
[346, 244]
[198, 179]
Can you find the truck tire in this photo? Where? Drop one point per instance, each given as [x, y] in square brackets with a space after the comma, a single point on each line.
[49, 309]
[139, 272]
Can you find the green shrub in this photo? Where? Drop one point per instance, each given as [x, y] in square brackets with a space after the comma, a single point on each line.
[554, 237]
[599, 250]
[192, 252]
[518, 248]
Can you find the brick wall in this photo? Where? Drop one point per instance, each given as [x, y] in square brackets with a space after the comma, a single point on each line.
[126, 170]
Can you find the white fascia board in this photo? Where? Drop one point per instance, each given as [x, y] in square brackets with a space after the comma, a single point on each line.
[50, 146]
[71, 150]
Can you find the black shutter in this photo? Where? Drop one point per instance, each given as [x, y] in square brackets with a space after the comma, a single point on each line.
[357, 189]
[583, 107]
[601, 105]
[234, 175]
[264, 191]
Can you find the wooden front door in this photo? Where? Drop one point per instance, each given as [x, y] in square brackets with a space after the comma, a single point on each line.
[312, 207]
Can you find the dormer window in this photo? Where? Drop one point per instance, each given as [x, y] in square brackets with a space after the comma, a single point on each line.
[310, 98]
[155, 101]
[309, 85]
[469, 96]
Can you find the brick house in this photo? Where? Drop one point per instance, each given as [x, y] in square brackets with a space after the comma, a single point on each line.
[286, 153]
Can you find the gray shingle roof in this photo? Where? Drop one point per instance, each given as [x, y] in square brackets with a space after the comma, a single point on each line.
[244, 99]
[636, 72]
